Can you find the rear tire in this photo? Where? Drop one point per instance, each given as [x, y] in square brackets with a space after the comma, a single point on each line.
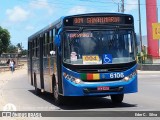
[118, 98]
[37, 90]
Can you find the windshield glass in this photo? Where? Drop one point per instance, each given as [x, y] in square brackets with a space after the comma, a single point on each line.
[99, 47]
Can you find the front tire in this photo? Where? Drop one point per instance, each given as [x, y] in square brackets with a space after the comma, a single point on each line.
[58, 99]
[118, 98]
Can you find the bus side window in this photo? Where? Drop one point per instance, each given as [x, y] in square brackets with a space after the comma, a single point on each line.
[44, 42]
[37, 49]
[50, 39]
[33, 48]
[47, 44]
[36, 41]
[52, 47]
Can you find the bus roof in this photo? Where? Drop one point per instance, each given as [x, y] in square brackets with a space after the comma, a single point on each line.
[60, 21]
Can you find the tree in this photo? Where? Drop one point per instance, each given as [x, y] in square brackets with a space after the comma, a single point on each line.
[19, 45]
[4, 40]
[24, 52]
[12, 49]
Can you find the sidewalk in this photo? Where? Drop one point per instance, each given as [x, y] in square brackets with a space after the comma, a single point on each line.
[5, 77]
[147, 72]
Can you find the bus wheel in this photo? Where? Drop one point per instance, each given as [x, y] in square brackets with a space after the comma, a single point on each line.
[37, 90]
[118, 98]
[58, 99]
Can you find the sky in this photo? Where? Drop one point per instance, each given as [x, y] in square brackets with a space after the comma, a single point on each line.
[23, 18]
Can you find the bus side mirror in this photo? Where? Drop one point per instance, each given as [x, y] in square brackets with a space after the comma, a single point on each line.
[52, 52]
[57, 40]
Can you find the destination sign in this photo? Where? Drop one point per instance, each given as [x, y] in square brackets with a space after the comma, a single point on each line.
[95, 20]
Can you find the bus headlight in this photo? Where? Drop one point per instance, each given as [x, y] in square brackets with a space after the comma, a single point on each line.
[127, 78]
[72, 79]
[77, 81]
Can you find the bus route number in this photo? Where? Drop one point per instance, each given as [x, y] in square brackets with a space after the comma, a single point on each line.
[91, 58]
[117, 75]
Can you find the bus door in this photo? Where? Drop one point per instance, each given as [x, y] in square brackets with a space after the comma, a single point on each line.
[52, 65]
[30, 71]
[59, 70]
[59, 65]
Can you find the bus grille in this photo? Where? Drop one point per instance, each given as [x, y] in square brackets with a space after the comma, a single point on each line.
[102, 70]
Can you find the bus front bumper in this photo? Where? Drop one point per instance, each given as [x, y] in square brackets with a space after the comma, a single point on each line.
[91, 89]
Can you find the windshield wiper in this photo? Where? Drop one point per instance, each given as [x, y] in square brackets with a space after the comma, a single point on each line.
[79, 31]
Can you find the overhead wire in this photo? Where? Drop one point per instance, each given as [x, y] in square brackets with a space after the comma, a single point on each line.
[91, 1]
[112, 1]
[60, 3]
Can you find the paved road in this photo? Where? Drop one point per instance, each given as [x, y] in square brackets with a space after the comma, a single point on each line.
[18, 92]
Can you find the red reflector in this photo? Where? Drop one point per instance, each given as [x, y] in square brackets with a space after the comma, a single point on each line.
[101, 88]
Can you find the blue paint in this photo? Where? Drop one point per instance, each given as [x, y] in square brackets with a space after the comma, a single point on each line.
[72, 89]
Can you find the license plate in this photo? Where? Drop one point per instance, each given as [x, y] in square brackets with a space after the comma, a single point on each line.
[101, 88]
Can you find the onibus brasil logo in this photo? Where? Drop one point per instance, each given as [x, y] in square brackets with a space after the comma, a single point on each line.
[7, 110]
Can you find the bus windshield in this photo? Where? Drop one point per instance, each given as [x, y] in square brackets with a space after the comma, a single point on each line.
[99, 47]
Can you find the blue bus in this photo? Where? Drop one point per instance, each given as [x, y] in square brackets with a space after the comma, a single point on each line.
[85, 55]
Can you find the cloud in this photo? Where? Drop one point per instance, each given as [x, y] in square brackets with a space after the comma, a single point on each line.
[17, 14]
[41, 5]
[131, 5]
[79, 10]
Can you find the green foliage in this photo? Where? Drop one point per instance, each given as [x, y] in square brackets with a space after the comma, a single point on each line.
[4, 40]
[6, 46]
[12, 49]
[24, 52]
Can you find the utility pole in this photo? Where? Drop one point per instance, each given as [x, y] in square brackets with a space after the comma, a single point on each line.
[140, 32]
[122, 6]
[118, 7]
